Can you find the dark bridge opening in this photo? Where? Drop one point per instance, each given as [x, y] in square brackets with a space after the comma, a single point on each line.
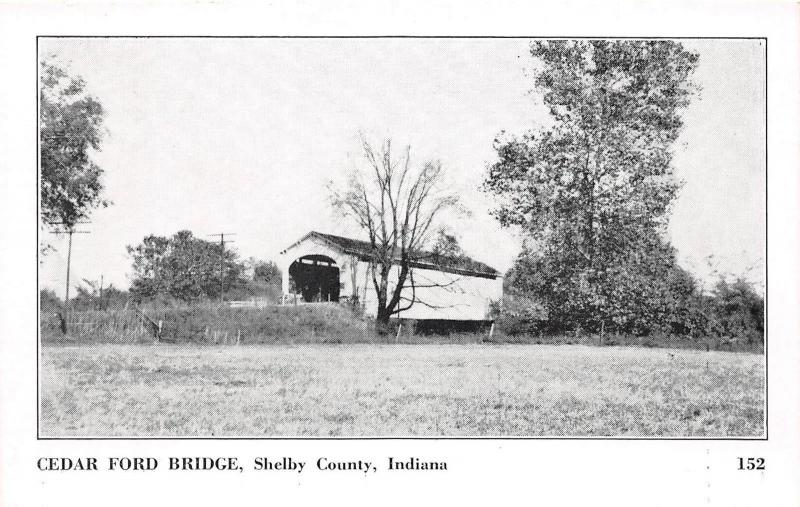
[316, 277]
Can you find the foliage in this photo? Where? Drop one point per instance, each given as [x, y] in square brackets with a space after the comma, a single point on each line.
[70, 129]
[254, 289]
[49, 301]
[737, 311]
[446, 244]
[518, 314]
[92, 295]
[397, 207]
[266, 271]
[209, 323]
[183, 267]
[592, 193]
[260, 279]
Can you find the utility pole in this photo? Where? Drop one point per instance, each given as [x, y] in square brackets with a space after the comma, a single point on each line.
[222, 242]
[70, 230]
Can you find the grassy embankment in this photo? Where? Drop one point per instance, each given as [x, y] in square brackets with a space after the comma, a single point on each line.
[213, 324]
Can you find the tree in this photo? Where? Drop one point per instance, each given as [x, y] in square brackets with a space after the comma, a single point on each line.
[183, 267]
[592, 192]
[396, 206]
[263, 281]
[738, 311]
[267, 272]
[49, 301]
[95, 295]
[446, 244]
[70, 129]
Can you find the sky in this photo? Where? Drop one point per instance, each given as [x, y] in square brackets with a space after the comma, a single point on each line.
[243, 135]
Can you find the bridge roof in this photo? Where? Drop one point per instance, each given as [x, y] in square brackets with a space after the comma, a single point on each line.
[424, 260]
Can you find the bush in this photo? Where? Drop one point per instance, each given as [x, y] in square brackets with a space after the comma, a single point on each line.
[737, 312]
[731, 317]
[519, 314]
[48, 301]
[209, 323]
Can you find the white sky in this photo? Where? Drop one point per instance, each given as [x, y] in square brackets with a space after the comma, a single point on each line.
[241, 135]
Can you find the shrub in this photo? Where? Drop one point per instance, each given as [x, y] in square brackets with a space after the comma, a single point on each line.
[48, 301]
[738, 311]
[519, 314]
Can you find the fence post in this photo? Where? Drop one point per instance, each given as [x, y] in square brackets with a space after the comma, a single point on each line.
[399, 328]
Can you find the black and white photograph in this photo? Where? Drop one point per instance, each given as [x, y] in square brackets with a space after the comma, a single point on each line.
[399, 253]
[393, 237]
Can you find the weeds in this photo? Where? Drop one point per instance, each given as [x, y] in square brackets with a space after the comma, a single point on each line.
[327, 323]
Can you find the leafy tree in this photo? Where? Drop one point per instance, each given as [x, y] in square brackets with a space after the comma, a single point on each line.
[446, 244]
[48, 301]
[738, 311]
[183, 267]
[267, 272]
[592, 192]
[151, 275]
[397, 206]
[263, 281]
[50, 306]
[93, 295]
[70, 129]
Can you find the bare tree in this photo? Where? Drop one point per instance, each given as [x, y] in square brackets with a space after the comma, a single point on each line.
[397, 206]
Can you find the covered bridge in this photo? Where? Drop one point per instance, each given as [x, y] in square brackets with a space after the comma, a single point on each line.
[324, 267]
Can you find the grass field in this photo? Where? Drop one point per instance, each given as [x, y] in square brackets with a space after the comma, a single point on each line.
[398, 390]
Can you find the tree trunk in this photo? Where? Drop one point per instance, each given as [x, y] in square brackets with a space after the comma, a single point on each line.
[382, 320]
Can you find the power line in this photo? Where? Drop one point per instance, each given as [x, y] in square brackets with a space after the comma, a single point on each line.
[222, 242]
[69, 231]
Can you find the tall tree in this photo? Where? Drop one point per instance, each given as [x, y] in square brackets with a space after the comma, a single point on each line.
[70, 129]
[183, 267]
[593, 191]
[397, 205]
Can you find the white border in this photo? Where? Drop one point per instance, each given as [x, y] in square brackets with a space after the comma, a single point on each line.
[531, 471]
